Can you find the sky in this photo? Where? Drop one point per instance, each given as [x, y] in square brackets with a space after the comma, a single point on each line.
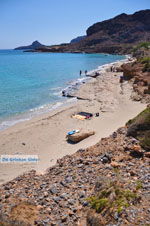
[56, 21]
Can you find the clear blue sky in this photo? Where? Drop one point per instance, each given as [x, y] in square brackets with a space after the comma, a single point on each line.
[56, 21]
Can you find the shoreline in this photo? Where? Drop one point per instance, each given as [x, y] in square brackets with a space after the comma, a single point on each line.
[73, 86]
[44, 135]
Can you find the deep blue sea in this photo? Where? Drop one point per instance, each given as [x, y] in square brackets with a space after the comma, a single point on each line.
[31, 83]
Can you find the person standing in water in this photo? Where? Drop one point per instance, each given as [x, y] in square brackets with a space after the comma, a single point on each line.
[80, 73]
[85, 72]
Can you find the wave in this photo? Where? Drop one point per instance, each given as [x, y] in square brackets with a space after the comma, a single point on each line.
[4, 124]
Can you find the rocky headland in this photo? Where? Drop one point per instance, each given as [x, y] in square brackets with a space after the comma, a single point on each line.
[35, 45]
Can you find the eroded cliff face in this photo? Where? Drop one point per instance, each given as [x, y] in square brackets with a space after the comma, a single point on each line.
[117, 34]
[139, 74]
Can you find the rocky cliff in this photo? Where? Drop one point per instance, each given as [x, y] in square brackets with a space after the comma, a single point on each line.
[138, 72]
[117, 34]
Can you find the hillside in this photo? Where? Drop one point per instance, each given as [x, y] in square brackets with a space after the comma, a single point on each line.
[115, 35]
[106, 184]
[78, 39]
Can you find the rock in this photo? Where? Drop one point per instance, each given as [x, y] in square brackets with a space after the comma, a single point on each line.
[115, 164]
[68, 179]
[136, 151]
[82, 194]
[106, 159]
[147, 154]
[53, 190]
[64, 196]
[57, 199]
[114, 135]
[122, 130]
[85, 203]
[71, 201]
[64, 218]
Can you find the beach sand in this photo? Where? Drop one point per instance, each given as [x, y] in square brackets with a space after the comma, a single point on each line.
[45, 135]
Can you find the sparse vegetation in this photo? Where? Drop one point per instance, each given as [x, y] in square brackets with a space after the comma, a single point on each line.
[139, 185]
[146, 62]
[145, 45]
[139, 127]
[114, 198]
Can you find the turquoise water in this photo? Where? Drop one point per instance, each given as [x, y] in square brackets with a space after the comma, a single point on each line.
[29, 81]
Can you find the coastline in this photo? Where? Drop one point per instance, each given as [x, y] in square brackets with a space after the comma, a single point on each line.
[71, 86]
[44, 135]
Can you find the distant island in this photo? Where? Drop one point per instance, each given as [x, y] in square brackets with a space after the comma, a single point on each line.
[34, 45]
[115, 36]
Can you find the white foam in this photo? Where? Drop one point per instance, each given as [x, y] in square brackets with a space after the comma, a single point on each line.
[33, 112]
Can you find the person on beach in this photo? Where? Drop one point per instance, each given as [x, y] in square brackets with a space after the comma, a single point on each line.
[80, 72]
[121, 84]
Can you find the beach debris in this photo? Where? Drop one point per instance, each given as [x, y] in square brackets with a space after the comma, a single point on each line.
[97, 114]
[76, 137]
[79, 117]
[82, 115]
[93, 75]
[73, 132]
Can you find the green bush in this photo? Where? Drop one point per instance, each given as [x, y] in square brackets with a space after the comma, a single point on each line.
[145, 45]
[113, 198]
[139, 127]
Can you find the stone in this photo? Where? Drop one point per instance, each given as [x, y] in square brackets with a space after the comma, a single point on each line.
[106, 159]
[147, 154]
[64, 196]
[64, 218]
[115, 164]
[82, 194]
[71, 201]
[53, 190]
[68, 179]
[57, 199]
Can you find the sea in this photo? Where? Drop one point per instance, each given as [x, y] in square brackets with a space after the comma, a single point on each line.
[32, 83]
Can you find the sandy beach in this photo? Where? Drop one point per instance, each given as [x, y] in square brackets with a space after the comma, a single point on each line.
[45, 135]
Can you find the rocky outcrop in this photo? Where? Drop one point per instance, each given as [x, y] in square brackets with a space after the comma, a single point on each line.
[138, 72]
[35, 45]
